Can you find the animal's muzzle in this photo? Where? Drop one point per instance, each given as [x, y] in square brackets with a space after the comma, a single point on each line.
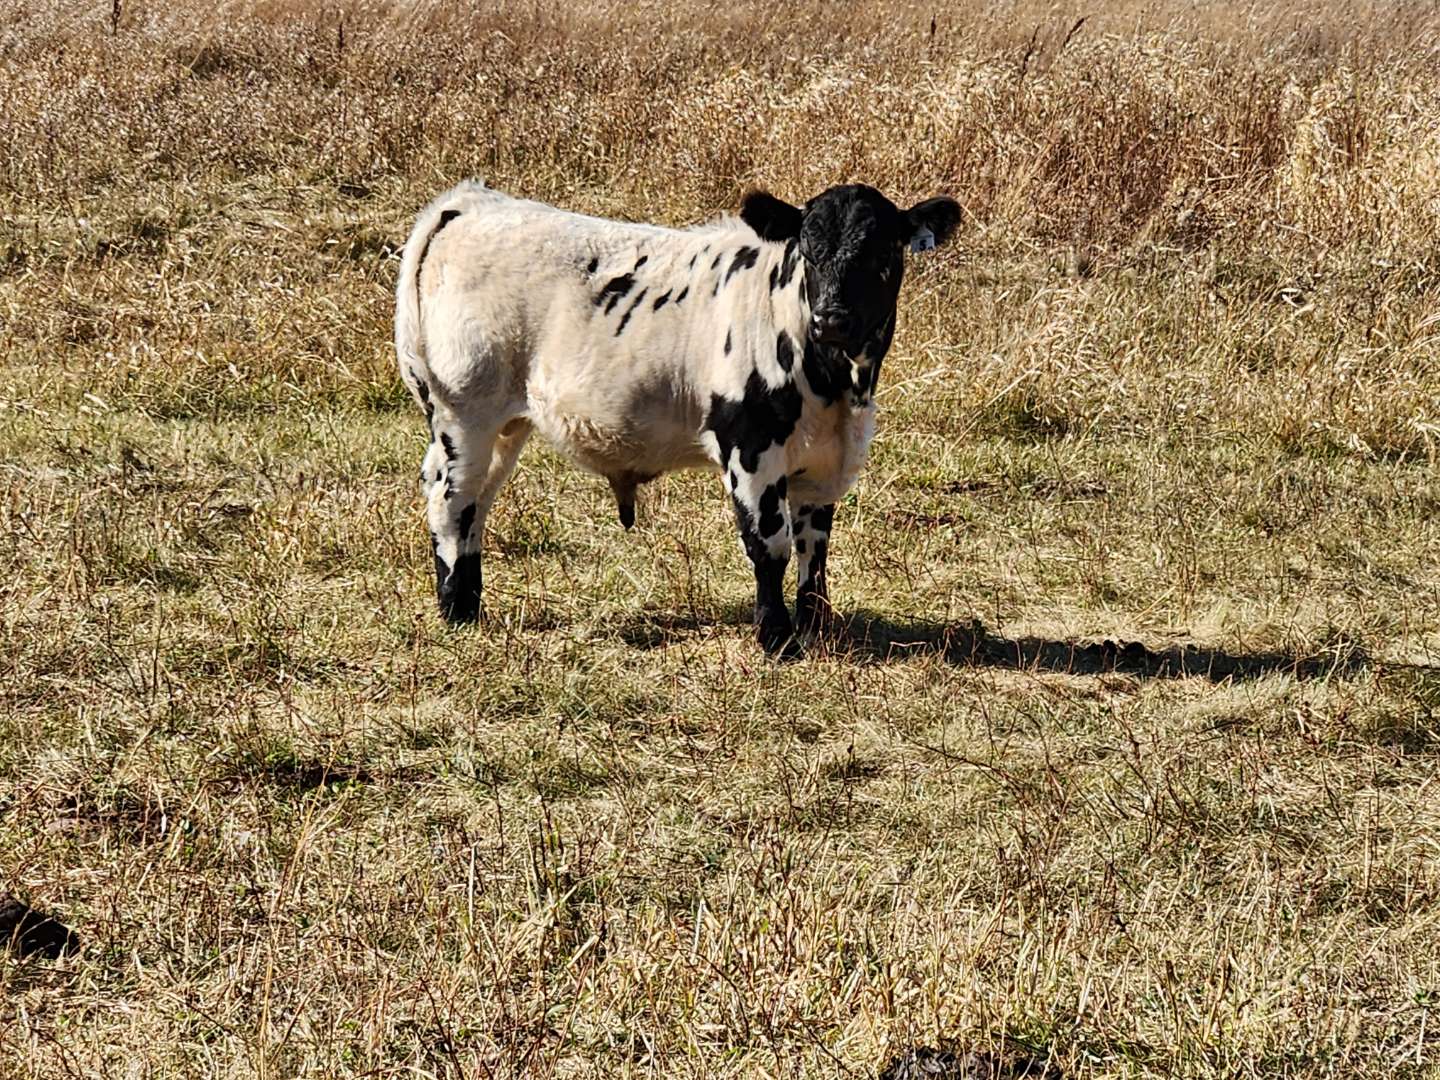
[831, 327]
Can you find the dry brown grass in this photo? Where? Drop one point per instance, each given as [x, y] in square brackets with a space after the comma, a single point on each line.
[1176, 386]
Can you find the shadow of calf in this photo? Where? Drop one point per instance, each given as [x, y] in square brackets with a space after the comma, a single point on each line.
[970, 644]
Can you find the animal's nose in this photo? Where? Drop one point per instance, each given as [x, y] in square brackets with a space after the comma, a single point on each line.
[828, 326]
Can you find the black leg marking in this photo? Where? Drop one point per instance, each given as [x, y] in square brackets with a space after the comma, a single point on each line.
[812, 545]
[772, 619]
[467, 520]
[771, 520]
[457, 589]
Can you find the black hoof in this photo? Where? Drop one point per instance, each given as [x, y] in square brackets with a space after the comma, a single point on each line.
[458, 590]
[779, 641]
[816, 620]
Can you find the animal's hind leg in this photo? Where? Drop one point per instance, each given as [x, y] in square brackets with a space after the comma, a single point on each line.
[508, 444]
[457, 466]
[466, 467]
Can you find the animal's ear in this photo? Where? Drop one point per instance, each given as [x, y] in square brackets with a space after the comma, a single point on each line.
[771, 218]
[931, 222]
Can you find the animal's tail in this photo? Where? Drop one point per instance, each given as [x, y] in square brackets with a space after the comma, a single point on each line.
[409, 337]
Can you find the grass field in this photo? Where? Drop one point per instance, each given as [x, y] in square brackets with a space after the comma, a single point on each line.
[1125, 762]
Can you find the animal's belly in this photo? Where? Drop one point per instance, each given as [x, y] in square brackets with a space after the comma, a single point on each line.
[610, 444]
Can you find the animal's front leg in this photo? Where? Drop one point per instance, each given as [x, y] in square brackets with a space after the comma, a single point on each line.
[763, 516]
[812, 544]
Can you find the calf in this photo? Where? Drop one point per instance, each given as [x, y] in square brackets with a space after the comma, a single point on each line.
[747, 345]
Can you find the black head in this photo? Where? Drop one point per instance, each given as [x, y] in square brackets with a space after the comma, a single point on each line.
[852, 240]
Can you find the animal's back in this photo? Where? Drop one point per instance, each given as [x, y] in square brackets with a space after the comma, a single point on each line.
[585, 326]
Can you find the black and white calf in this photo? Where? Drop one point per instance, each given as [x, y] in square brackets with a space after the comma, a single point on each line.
[751, 345]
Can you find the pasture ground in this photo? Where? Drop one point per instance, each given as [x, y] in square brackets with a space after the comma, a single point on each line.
[1125, 759]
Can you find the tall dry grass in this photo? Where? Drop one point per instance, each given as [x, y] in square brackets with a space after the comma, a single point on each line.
[1175, 386]
[1279, 122]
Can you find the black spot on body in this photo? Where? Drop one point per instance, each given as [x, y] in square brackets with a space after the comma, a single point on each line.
[692, 261]
[630, 310]
[788, 262]
[800, 545]
[762, 418]
[641, 262]
[613, 290]
[594, 265]
[784, 351]
[774, 274]
[822, 518]
[449, 445]
[446, 216]
[716, 264]
[744, 259]
[728, 334]
[661, 301]
[683, 293]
